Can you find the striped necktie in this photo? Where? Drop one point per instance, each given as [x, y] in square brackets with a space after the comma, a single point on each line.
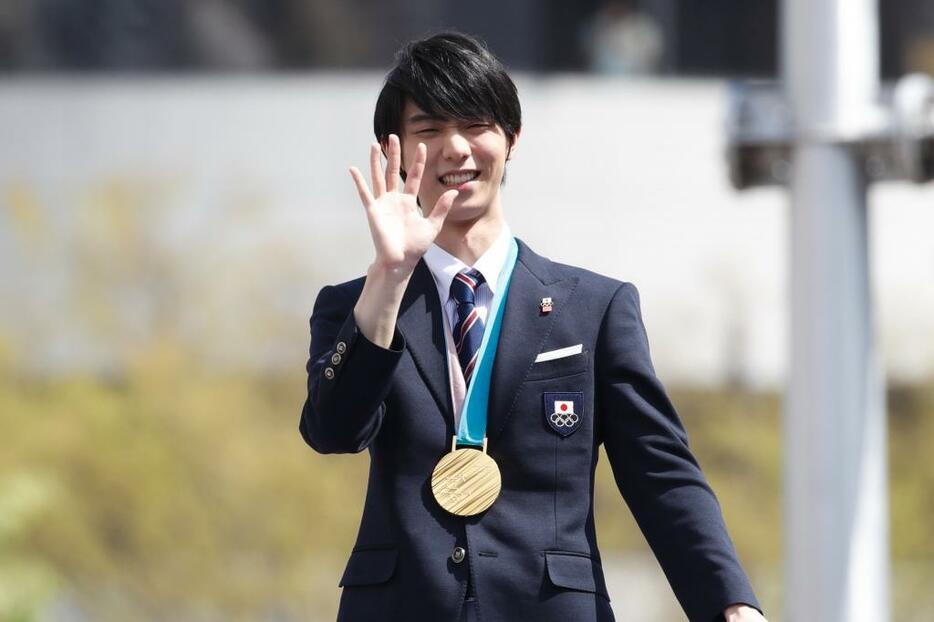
[468, 332]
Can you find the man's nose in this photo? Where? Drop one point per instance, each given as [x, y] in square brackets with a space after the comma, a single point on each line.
[455, 147]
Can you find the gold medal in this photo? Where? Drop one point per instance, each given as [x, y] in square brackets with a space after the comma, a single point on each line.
[466, 481]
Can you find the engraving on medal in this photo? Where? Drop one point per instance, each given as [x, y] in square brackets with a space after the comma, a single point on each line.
[454, 487]
[466, 482]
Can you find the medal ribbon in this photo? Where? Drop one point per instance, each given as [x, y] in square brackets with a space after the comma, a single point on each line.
[472, 428]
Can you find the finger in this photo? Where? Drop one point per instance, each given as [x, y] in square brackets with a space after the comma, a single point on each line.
[393, 162]
[376, 171]
[364, 192]
[442, 208]
[414, 179]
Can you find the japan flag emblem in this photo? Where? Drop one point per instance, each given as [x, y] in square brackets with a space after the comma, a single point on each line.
[563, 411]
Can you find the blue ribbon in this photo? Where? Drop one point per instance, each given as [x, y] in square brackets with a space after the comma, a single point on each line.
[472, 428]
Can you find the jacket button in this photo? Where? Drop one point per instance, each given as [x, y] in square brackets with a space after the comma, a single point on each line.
[458, 555]
[341, 347]
[335, 359]
[329, 373]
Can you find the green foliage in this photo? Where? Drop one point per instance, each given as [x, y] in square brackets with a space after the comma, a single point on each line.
[176, 485]
[167, 491]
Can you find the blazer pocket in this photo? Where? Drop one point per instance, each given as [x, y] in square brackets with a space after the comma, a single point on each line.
[575, 571]
[369, 567]
[555, 368]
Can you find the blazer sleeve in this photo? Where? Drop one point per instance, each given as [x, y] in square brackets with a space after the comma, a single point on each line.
[348, 378]
[657, 474]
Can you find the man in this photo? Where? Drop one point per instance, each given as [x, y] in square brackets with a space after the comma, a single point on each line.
[482, 379]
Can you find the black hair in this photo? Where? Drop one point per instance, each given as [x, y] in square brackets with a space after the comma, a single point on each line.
[449, 75]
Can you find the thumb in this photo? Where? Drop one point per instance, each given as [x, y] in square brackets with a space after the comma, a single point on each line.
[442, 208]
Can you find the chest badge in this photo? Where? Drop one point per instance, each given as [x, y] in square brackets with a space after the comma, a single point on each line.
[546, 305]
[563, 411]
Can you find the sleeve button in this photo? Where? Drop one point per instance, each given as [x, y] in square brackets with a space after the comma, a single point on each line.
[341, 347]
[329, 373]
[335, 359]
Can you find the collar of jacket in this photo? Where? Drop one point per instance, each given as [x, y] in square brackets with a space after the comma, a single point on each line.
[524, 331]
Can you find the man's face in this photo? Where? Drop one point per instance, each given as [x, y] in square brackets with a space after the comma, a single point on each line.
[469, 156]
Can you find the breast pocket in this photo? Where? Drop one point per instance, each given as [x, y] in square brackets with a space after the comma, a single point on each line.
[565, 366]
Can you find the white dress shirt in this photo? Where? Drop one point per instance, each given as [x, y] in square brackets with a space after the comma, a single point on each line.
[443, 266]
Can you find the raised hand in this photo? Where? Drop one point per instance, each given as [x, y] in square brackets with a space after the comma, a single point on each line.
[401, 233]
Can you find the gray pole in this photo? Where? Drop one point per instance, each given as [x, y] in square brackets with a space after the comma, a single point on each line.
[837, 551]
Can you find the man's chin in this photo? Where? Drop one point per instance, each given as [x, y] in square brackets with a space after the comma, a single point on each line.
[465, 212]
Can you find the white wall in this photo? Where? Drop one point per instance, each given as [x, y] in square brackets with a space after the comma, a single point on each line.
[627, 178]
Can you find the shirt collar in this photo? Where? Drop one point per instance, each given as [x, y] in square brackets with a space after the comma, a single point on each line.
[443, 265]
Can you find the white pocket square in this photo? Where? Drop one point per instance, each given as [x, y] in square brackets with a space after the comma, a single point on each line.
[559, 353]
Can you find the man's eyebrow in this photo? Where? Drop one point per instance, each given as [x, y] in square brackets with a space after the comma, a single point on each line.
[422, 116]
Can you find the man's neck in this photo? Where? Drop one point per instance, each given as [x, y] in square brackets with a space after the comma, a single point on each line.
[470, 239]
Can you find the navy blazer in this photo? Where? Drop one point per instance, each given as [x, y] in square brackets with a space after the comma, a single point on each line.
[533, 555]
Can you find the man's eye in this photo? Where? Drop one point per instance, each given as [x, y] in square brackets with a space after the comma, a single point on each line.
[427, 130]
[479, 125]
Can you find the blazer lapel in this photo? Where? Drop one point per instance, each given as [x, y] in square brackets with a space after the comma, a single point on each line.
[524, 331]
[420, 322]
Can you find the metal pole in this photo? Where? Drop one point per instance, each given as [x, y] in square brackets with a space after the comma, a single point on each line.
[837, 550]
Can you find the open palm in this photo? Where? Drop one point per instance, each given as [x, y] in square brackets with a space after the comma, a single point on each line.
[401, 233]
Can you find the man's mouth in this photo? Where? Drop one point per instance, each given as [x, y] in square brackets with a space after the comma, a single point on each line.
[458, 178]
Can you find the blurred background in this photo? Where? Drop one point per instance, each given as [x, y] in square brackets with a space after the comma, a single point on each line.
[174, 193]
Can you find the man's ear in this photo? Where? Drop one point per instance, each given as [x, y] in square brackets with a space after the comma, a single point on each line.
[514, 144]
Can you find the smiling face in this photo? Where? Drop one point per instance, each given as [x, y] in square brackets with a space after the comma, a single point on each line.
[469, 156]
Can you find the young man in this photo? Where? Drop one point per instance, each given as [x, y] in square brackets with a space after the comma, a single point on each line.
[482, 378]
